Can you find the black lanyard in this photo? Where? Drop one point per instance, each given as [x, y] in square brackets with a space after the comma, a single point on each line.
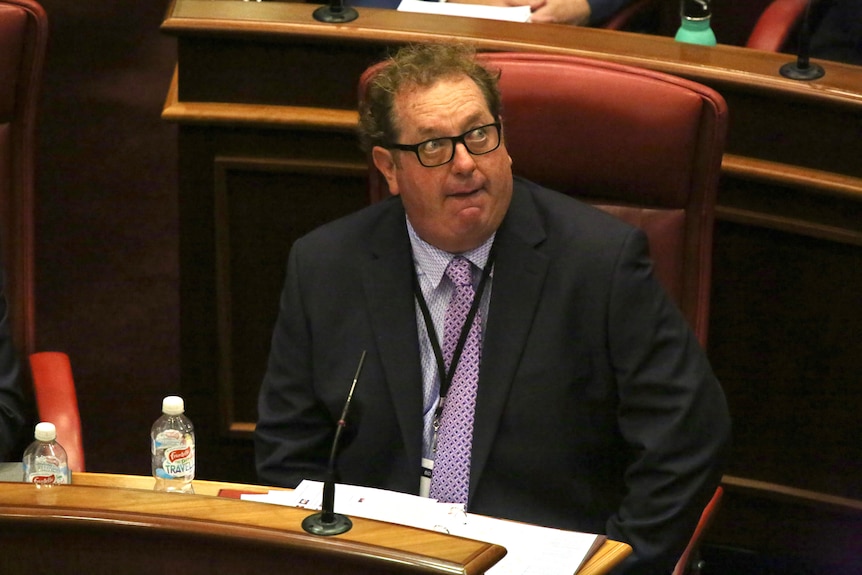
[446, 377]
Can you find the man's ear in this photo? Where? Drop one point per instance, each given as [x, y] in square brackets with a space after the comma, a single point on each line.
[385, 162]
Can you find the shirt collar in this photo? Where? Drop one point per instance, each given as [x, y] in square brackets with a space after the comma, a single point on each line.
[431, 261]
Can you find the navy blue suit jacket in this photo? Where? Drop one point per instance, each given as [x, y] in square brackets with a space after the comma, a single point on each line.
[597, 410]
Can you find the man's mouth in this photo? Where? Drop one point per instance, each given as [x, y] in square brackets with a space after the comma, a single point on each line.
[465, 193]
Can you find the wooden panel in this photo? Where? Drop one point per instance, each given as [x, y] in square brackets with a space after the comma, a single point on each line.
[793, 199]
[784, 342]
[247, 194]
[261, 206]
[273, 74]
[801, 531]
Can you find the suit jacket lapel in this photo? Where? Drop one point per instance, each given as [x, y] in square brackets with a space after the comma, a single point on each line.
[387, 280]
[519, 273]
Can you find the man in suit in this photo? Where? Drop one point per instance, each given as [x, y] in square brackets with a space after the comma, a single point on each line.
[595, 408]
[11, 399]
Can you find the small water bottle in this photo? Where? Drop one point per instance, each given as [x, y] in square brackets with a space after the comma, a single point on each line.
[173, 448]
[695, 27]
[45, 461]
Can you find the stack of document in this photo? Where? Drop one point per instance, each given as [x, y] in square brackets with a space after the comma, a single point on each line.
[531, 549]
[510, 13]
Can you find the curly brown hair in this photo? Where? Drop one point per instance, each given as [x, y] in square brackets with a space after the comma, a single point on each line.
[418, 65]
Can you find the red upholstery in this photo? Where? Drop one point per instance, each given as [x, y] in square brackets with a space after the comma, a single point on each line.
[643, 145]
[775, 28]
[684, 565]
[57, 402]
[23, 39]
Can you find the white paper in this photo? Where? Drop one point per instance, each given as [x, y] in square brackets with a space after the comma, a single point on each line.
[509, 13]
[531, 549]
[379, 504]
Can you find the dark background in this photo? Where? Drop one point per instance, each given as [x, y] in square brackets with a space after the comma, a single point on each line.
[106, 220]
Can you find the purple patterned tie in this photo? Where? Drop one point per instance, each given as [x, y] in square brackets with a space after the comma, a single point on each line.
[450, 481]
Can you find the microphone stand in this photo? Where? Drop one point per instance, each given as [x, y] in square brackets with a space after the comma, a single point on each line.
[327, 522]
[802, 69]
[335, 13]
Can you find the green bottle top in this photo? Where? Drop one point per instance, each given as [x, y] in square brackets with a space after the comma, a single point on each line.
[695, 23]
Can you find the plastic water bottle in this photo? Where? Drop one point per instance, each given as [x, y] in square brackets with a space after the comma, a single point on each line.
[45, 460]
[173, 448]
[695, 27]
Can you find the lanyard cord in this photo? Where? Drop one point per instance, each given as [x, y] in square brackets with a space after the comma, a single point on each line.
[446, 377]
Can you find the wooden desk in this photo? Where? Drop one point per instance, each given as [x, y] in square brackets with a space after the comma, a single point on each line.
[106, 521]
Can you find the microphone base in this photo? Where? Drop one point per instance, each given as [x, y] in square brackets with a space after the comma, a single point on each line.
[315, 524]
[335, 15]
[793, 71]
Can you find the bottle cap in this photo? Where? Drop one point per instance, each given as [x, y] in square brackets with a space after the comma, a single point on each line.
[695, 9]
[45, 431]
[173, 405]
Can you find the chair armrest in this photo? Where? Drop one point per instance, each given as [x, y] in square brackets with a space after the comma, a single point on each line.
[57, 402]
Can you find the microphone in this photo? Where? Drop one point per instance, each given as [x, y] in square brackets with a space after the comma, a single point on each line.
[802, 69]
[327, 522]
[335, 13]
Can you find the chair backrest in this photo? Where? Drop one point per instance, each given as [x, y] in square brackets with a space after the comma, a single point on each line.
[687, 564]
[733, 20]
[57, 402]
[643, 145]
[775, 29]
[23, 41]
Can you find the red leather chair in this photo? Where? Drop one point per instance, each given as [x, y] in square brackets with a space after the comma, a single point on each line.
[689, 563]
[643, 145]
[23, 41]
[57, 402]
[776, 28]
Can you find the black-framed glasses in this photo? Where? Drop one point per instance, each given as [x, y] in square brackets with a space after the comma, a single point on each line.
[438, 151]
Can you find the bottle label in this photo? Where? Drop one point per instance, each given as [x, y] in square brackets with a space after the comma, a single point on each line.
[47, 471]
[179, 461]
[178, 454]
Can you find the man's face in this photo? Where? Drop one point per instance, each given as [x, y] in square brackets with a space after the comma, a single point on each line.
[458, 205]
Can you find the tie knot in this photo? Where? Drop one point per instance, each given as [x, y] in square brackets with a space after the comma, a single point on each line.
[460, 271]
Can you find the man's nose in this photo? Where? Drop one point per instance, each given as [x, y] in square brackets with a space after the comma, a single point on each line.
[463, 160]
